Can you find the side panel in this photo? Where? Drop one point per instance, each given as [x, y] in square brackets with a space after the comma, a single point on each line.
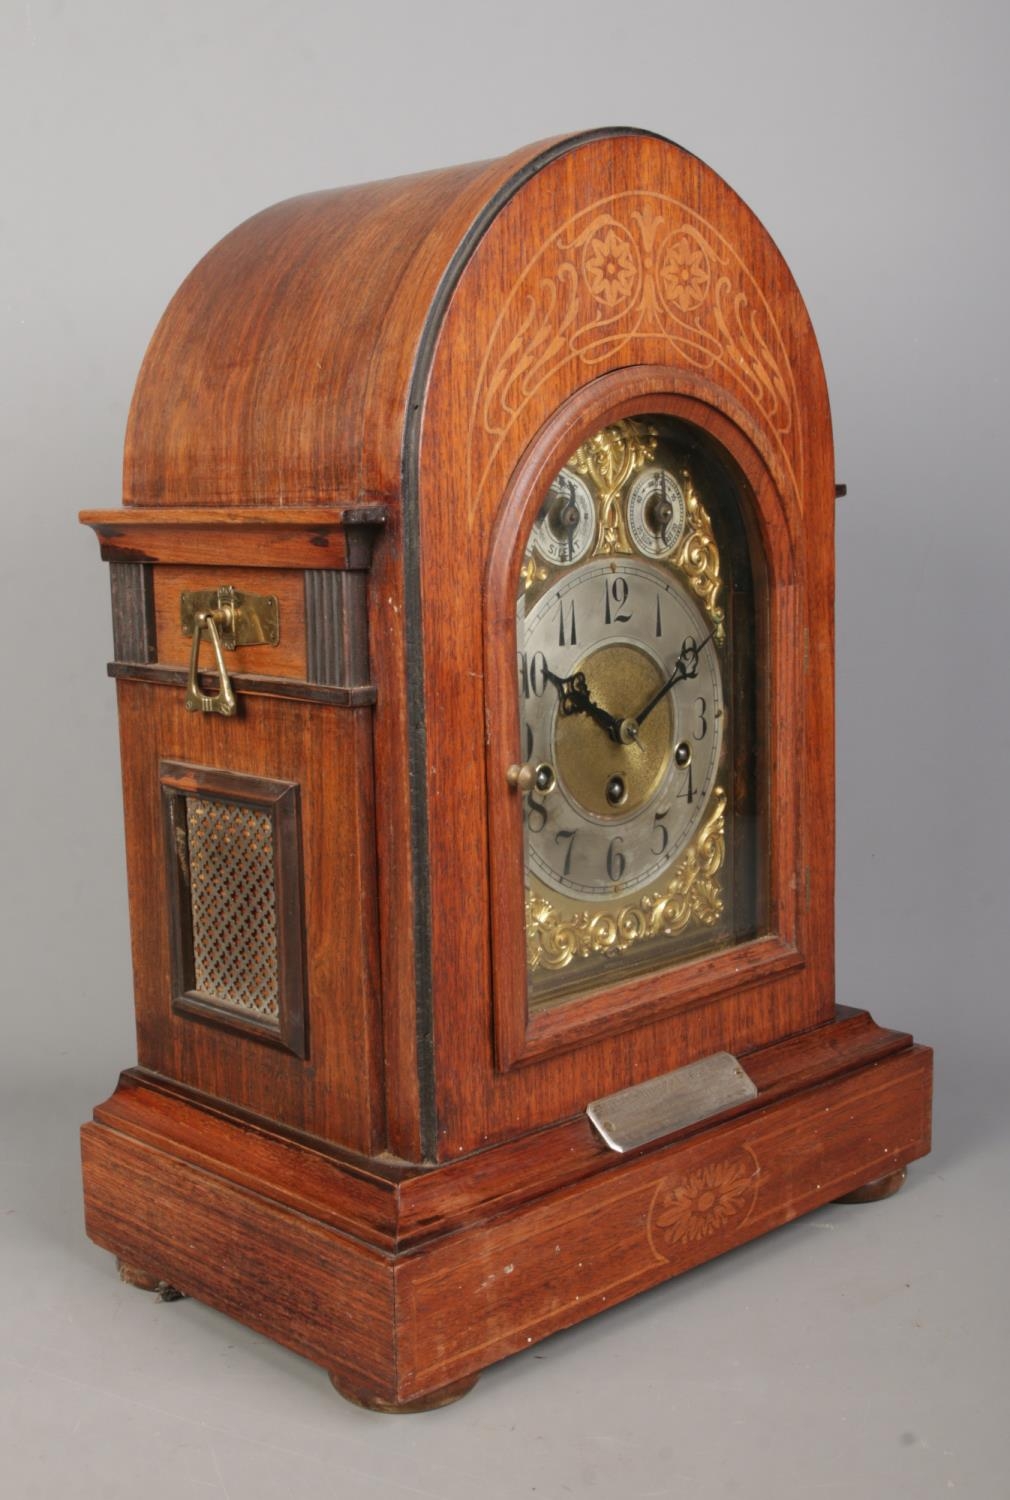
[324, 755]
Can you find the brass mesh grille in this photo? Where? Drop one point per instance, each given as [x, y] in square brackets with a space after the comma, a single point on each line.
[233, 895]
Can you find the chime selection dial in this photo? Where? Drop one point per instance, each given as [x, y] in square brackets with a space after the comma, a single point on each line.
[567, 523]
[657, 513]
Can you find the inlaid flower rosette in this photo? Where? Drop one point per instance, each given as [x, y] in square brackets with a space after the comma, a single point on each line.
[715, 1198]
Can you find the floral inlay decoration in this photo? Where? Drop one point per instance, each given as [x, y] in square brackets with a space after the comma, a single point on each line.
[701, 1204]
[610, 268]
[685, 274]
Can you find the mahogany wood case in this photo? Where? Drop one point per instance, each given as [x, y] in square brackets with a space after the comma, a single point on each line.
[353, 406]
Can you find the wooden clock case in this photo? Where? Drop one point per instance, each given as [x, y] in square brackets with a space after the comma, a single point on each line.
[353, 405]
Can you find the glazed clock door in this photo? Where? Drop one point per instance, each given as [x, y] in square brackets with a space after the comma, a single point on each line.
[637, 693]
[641, 700]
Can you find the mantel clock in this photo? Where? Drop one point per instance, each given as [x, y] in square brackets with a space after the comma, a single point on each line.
[472, 609]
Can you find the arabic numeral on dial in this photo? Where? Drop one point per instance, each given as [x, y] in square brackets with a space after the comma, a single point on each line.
[529, 741]
[615, 597]
[567, 834]
[617, 862]
[688, 789]
[660, 832]
[536, 814]
[566, 625]
[533, 674]
[701, 710]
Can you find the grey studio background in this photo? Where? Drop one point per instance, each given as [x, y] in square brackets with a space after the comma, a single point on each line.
[861, 1352]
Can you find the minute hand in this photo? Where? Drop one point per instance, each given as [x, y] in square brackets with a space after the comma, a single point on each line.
[687, 666]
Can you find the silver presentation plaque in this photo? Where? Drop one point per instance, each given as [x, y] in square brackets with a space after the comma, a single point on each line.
[649, 1110]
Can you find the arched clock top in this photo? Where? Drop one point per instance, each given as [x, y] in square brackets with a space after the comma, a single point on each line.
[280, 372]
[622, 275]
[292, 363]
[664, 267]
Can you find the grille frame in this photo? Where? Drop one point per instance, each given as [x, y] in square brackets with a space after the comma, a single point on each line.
[257, 821]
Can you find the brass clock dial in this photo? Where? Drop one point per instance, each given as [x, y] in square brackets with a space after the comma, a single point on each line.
[628, 695]
[622, 697]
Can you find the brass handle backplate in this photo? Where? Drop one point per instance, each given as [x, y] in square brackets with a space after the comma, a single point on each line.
[230, 619]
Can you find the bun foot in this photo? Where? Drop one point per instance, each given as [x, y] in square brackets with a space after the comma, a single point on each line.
[881, 1187]
[145, 1282]
[444, 1396]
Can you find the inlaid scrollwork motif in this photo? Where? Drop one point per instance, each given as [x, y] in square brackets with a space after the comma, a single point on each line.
[531, 572]
[629, 269]
[692, 895]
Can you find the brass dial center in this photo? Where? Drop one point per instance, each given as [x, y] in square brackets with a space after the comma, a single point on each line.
[621, 679]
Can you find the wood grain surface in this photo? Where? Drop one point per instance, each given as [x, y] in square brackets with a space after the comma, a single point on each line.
[402, 1281]
[286, 659]
[332, 536]
[335, 1091]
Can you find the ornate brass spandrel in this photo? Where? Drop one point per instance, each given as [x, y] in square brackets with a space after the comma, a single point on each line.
[697, 557]
[608, 459]
[692, 895]
[531, 572]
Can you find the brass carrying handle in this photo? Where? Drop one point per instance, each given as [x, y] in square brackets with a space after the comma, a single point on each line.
[223, 701]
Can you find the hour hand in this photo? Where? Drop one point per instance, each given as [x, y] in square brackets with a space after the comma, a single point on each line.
[575, 698]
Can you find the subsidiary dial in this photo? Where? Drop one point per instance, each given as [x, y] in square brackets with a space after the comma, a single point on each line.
[566, 525]
[657, 513]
